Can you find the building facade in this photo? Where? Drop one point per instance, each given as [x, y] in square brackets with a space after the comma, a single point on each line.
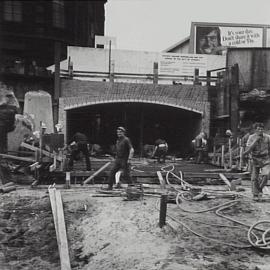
[35, 35]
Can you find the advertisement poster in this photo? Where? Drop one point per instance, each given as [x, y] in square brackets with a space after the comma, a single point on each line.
[216, 39]
[182, 64]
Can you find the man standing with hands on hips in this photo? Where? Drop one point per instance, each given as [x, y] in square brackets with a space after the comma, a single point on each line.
[258, 145]
[124, 153]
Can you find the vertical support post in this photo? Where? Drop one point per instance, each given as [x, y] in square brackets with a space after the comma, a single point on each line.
[155, 72]
[234, 98]
[110, 50]
[230, 153]
[111, 76]
[70, 68]
[208, 78]
[67, 180]
[196, 77]
[57, 94]
[214, 154]
[57, 59]
[241, 158]
[40, 141]
[163, 210]
[222, 156]
[141, 131]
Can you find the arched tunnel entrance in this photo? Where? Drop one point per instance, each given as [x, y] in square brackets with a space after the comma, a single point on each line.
[144, 122]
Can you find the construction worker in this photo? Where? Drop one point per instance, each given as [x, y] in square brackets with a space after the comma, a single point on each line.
[124, 153]
[8, 109]
[160, 151]
[79, 144]
[258, 145]
[200, 147]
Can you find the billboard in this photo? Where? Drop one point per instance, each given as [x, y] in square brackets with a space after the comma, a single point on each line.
[210, 38]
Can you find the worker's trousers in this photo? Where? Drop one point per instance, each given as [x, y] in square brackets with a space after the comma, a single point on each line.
[120, 164]
[258, 182]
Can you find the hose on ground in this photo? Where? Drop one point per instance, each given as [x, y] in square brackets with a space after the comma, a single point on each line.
[262, 241]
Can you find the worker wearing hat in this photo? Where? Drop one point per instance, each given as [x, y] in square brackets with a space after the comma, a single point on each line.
[258, 146]
[124, 152]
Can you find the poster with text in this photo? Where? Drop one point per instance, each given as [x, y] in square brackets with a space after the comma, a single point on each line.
[216, 39]
[182, 64]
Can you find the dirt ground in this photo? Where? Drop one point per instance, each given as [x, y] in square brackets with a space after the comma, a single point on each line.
[112, 233]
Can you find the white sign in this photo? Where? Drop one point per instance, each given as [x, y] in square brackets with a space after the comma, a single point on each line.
[182, 64]
[241, 36]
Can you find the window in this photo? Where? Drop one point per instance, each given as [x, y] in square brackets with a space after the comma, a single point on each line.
[58, 13]
[13, 11]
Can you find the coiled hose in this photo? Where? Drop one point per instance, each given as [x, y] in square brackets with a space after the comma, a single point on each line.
[262, 241]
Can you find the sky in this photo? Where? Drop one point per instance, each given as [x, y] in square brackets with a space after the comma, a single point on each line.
[154, 25]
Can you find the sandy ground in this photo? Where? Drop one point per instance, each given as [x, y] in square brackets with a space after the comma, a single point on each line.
[119, 234]
[112, 233]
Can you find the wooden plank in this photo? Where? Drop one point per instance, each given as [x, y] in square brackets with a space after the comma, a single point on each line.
[60, 227]
[17, 158]
[54, 210]
[64, 254]
[96, 173]
[44, 152]
[225, 180]
[161, 181]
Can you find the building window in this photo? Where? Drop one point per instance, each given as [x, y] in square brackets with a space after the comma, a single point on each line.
[13, 11]
[58, 13]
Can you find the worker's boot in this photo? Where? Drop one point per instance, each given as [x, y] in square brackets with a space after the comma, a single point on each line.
[118, 185]
[108, 188]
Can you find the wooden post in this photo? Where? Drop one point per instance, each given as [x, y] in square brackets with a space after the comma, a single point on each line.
[57, 87]
[57, 59]
[111, 75]
[196, 77]
[234, 98]
[70, 68]
[110, 50]
[155, 72]
[214, 154]
[141, 131]
[230, 153]
[241, 158]
[208, 78]
[161, 181]
[222, 156]
[163, 210]
[67, 180]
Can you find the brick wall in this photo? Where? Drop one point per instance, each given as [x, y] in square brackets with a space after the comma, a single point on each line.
[77, 93]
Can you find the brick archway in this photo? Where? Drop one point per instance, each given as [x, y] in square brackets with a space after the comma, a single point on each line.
[77, 94]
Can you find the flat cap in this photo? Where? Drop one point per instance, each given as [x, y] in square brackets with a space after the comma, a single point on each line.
[122, 129]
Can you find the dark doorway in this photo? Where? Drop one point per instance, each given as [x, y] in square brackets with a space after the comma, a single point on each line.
[144, 123]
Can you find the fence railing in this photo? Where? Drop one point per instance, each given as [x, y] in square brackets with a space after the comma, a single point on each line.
[136, 76]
